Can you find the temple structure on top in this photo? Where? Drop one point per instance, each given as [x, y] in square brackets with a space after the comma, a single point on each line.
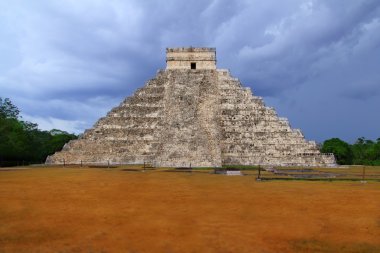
[194, 114]
[191, 58]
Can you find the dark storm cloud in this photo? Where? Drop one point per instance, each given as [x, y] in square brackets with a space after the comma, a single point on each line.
[307, 43]
[66, 63]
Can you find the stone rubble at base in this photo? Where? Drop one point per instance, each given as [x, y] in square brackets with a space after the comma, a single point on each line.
[193, 113]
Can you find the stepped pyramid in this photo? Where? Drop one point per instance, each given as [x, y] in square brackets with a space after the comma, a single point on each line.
[193, 114]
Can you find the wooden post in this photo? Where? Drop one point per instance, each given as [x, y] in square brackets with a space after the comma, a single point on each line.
[108, 163]
[81, 163]
[259, 174]
[363, 176]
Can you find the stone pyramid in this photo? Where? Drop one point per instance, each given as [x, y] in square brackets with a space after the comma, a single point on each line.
[193, 114]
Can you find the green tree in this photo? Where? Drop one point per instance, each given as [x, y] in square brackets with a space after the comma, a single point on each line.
[377, 152]
[366, 152]
[58, 140]
[13, 140]
[8, 109]
[23, 141]
[341, 150]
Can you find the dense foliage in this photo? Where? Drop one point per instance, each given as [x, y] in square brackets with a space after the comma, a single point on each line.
[363, 151]
[22, 141]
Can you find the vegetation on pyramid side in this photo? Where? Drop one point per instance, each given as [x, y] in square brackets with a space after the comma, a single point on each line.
[193, 114]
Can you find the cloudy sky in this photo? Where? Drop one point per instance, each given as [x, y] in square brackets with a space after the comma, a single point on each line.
[65, 63]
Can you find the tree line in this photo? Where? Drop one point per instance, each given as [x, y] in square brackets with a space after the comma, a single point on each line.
[21, 142]
[362, 152]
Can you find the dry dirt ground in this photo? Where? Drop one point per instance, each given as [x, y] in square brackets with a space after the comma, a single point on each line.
[110, 210]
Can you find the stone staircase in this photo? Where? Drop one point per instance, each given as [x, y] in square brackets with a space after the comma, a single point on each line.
[253, 133]
[202, 117]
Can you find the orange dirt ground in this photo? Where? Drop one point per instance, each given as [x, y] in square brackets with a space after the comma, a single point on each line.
[110, 210]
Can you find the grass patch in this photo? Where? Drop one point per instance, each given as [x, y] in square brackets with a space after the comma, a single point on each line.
[241, 167]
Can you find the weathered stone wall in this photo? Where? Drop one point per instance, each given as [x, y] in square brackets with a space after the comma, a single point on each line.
[253, 133]
[181, 58]
[128, 134]
[200, 117]
[190, 133]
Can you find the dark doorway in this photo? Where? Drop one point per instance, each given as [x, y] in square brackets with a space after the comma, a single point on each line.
[193, 65]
